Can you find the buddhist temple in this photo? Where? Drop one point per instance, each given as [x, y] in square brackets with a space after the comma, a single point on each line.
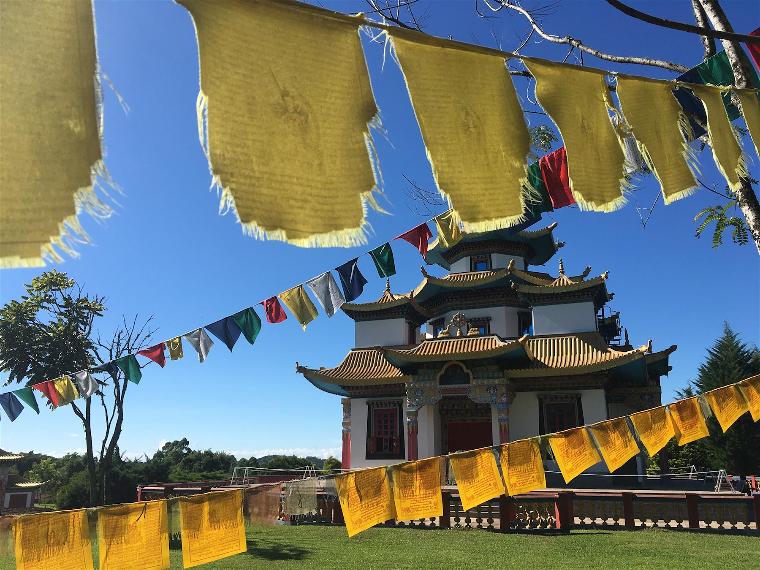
[493, 351]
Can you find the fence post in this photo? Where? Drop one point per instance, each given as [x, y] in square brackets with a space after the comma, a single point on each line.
[564, 510]
[445, 520]
[506, 512]
[630, 522]
[692, 509]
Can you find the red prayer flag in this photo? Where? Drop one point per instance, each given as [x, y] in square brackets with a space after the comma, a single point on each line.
[48, 388]
[554, 172]
[754, 49]
[156, 354]
[274, 311]
[418, 237]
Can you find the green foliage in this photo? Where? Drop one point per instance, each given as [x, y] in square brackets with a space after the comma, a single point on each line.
[331, 465]
[723, 221]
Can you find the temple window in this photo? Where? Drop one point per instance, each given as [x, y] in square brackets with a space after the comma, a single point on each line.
[483, 324]
[453, 374]
[385, 439]
[480, 262]
[559, 412]
[524, 323]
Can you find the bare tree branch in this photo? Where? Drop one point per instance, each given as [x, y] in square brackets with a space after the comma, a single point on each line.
[701, 18]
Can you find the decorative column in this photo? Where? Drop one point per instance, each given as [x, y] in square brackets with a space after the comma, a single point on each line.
[345, 456]
[411, 430]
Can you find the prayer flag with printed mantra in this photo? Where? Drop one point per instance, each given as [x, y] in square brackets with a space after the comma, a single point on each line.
[383, 258]
[299, 304]
[688, 420]
[553, 167]
[175, 348]
[477, 477]
[727, 404]
[754, 49]
[654, 428]
[615, 441]
[53, 540]
[134, 535]
[263, 503]
[577, 101]
[365, 498]
[751, 390]
[274, 311]
[522, 466]
[655, 120]
[417, 489]
[287, 130]
[751, 111]
[473, 127]
[212, 527]
[574, 452]
[447, 225]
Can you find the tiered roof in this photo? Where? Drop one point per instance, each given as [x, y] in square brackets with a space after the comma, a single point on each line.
[536, 289]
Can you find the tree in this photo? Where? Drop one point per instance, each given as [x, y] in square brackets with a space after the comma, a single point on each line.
[331, 465]
[49, 333]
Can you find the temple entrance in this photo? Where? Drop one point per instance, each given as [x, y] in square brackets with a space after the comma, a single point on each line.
[464, 424]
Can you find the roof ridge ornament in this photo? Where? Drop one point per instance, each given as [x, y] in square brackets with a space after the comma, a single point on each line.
[458, 321]
[561, 266]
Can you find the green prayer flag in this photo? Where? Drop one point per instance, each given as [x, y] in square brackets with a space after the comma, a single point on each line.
[130, 367]
[249, 322]
[716, 70]
[26, 395]
[537, 197]
[383, 258]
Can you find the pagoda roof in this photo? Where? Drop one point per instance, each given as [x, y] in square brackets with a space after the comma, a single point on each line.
[539, 245]
[457, 348]
[387, 302]
[537, 288]
[6, 457]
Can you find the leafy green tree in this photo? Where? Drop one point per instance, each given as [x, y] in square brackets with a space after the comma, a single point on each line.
[331, 465]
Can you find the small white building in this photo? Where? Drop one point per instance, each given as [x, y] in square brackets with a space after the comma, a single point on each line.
[492, 352]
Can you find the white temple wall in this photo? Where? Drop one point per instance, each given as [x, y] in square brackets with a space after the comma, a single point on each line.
[523, 413]
[359, 435]
[563, 319]
[385, 332]
[498, 261]
[428, 434]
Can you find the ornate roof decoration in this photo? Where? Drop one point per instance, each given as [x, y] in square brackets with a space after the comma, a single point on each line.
[457, 348]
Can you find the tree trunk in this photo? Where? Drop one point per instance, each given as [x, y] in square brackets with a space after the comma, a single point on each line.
[701, 18]
[745, 195]
[90, 457]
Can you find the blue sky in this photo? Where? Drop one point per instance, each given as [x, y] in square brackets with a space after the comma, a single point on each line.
[167, 252]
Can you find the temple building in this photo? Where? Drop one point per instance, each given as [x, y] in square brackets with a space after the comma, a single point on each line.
[492, 352]
[16, 496]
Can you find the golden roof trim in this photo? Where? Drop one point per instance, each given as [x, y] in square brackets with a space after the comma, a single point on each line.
[360, 367]
[460, 347]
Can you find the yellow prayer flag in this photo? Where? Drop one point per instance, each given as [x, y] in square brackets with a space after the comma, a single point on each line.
[654, 428]
[615, 441]
[522, 466]
[728, 405]
[133, 536]
[726, 150]
[751, 111]
[688, 420]
[577, 101]
[655, 118]
[66, 389]
[365, 498]
[53, 540]
[473, 127]
[49, 129]
[299, 304]
[212, 527]
[574, 452]
[751, 390]
[448, 229]
[287, 124]
[175, 348]
[417, 489]
[477, 477]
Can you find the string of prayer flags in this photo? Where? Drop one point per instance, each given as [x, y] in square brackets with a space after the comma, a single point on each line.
[130, 367]
[49, 129]
[576, 99]
[574, 452]
[365, 498]
[727, 404]
[274, 311]
[53, 540]
[417, 489]
[48, 389]
[299, 304]
[301, 497]
[553, 167]
[286, 119]
[67, 392]
[249, 323]
[655, 118]
[201, 342]
[26, 395]
[477, 477]
[383, 258]
[155, 353]
[11, 406]
[726, 150]
[716, 70]
[212, 527]
[175, 348]
[688, 420]
[751, 112]
[537, 199]
[327, 293]
[473, 127]
[522, 466]
[615, 442]
[447, 226]
[263, 502]
[692, 108]
[750, 389]
[86, 384]
[418, 237]
[351, 279]
[134, 535]
[226, 330]
[654, 428]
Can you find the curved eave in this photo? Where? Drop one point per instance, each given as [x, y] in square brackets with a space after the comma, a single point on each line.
[529, 278]
[431, 286]
[541, 295]
[658, 363]
[513, 350]
[361, 311]
[541, 371]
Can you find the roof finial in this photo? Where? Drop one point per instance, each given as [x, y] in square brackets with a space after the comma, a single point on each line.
[388, 285]
[561, 266]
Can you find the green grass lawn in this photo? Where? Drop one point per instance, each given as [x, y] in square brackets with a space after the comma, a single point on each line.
[329, 547]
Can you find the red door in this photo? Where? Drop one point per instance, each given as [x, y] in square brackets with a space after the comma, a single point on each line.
[468, 435]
